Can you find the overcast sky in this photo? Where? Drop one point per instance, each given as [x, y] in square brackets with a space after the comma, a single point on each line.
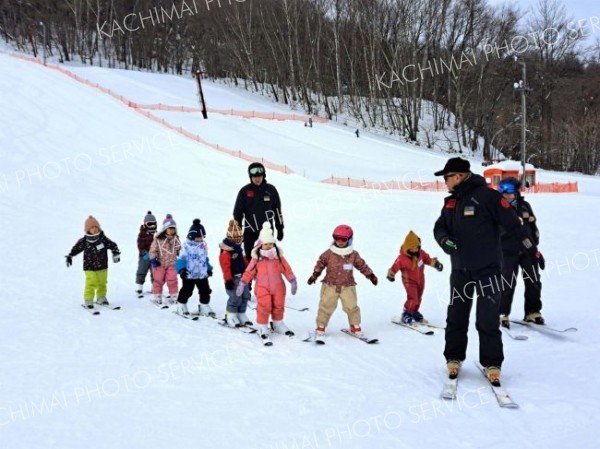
[584, 13]
[578, 9]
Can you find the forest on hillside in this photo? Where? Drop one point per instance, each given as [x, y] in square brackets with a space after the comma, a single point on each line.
[385, 63]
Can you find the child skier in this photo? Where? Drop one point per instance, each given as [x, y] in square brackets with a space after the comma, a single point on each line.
[194, 268]
[163, 253]
[411, 262]
[233, 263]
[144, 240]
[95, 246]
[340, 259]
[267, 266]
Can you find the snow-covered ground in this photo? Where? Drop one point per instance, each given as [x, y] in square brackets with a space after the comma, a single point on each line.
[144, 378]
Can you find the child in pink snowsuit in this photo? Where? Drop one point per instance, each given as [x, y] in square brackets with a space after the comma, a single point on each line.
[411, 262]
[268, 266]
[163, 254]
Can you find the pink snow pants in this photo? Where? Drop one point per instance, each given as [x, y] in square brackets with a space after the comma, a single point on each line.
[162, 275]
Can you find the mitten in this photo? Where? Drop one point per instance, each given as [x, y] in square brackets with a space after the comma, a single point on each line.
[116, 258]
[391, 276]
[229, 285]
[373, 278]
[312, 279]
[210, 273]
[449, 246]
[294, 286]
[146, 256]
[240, 288]
[540, 260]
[154, 262]
[69, 261]
[438, 265]
[183, 273]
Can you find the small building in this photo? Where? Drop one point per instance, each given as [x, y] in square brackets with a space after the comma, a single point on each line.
[493, 174]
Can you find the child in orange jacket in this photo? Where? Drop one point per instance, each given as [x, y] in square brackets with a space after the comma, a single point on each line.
[411, 262]
[268, 266]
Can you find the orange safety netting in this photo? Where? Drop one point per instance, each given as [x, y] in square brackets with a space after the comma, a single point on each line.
[553, 187]
[235, 112]
[439, 186]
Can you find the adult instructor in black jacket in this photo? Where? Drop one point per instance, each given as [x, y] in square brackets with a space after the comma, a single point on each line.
[256, 203]
[469, 229]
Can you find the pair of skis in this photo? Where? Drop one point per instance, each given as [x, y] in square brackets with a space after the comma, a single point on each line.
[450, 390]
[320, 340]
[423, 327]
[94, 311]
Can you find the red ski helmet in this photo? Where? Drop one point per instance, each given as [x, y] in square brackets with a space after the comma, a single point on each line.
[343, 231]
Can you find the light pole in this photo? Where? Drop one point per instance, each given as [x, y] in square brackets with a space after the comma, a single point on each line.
[522, 86]
[44, 31]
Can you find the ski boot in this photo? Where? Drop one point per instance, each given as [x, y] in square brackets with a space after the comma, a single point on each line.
[244, 320]
[205, 310]
[453, 368]
[356, 330]
[493, 375]
[232, 320]
[280, 328]
[535, 318]
[182, 309]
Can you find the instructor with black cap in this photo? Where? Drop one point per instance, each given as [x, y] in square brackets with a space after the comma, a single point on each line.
[256, 203]
[468, 230]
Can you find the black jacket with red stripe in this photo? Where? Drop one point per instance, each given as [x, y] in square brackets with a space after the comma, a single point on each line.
[474, 217]
[255, 205]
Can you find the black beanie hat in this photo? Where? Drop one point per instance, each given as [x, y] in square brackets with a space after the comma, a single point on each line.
[196, 230]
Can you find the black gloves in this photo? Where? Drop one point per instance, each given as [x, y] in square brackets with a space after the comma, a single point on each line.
[449, 245]
[69, 261]
[540, 260]
[183, 273]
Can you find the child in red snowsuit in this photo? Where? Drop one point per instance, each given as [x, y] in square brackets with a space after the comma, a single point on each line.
[268, 266]
[411, 262]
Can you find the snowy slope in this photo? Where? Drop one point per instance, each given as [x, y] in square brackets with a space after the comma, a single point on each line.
[144, 378]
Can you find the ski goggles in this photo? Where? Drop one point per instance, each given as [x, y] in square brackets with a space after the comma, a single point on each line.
[507, 188]
[257, 171]
[339, 238]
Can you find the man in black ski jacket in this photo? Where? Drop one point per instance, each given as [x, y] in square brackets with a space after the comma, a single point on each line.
[468, 229]
[514, 257]
[256, 203]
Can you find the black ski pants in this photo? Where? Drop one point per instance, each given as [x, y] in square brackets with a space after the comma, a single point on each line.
[187, 289]
[531, 279]
[464, 287]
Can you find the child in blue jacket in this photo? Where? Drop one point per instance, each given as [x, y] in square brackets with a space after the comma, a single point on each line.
[194, 268]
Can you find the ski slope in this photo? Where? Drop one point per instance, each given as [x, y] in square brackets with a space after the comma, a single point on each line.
[144, 378]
